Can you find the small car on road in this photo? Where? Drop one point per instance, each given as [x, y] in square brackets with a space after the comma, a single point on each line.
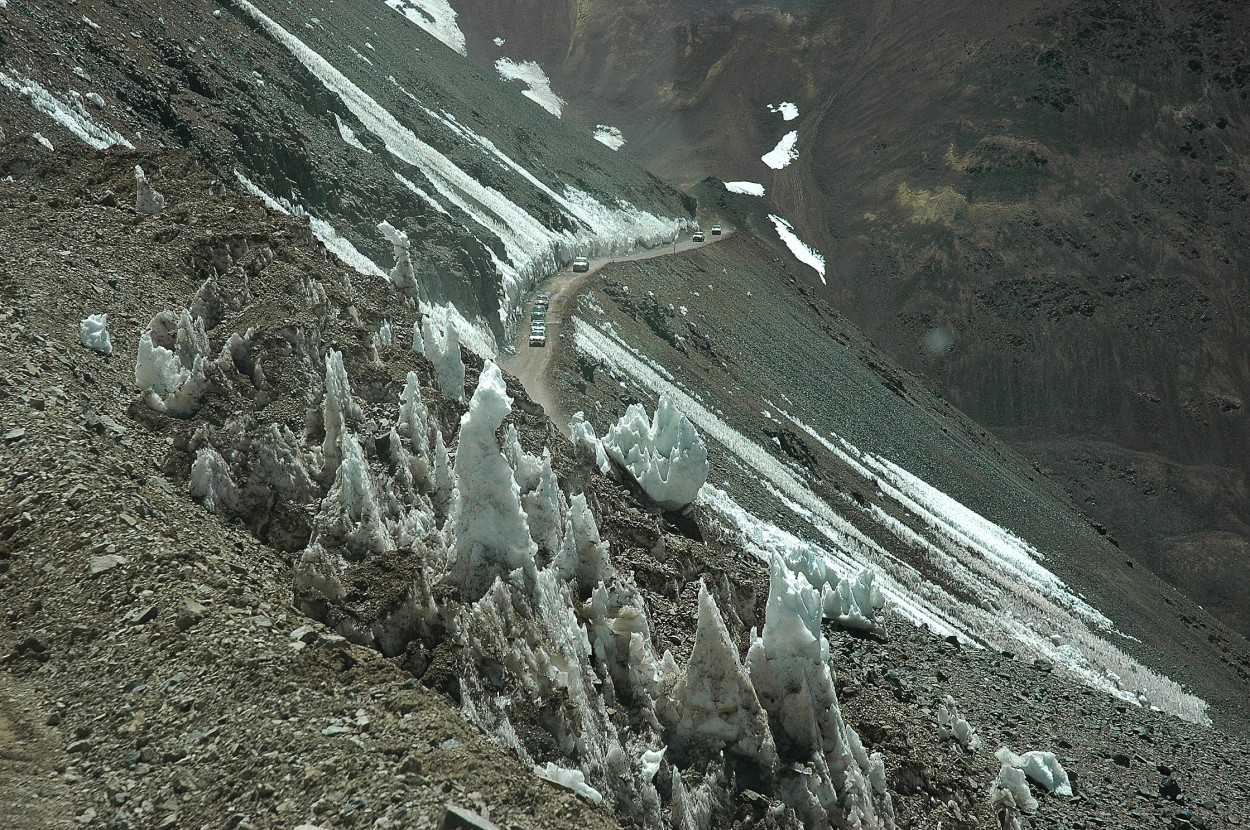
[698, 236]
[716, 230]
[581, 264]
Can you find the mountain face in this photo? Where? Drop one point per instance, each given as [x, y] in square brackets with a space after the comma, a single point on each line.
[1039, 208]
[282, 102]
[281, 545]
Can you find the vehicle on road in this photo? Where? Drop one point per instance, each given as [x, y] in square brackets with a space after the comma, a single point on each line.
[581, 264]
[716, 230]
[538, 337]
[698, 236]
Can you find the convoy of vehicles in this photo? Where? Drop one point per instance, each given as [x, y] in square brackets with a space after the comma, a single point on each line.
[538, 320]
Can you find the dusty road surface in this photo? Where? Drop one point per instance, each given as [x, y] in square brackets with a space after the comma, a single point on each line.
[530, 363]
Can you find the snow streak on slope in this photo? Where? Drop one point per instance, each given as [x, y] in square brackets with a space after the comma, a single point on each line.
[323, 230]
[801, 250]
[535, 79]
[780, 156]
[610, 137]
[71, 115]
[349, 135]
[435, 16]
[745, 188]
[476, 337]
[979, 580]
[532, 250]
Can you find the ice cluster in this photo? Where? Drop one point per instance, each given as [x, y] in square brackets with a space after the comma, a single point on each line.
[1042, 768]
[954, 728]
[147, 200]
[855, 603]
[666, 456]
[171, 370]
[403, 275]
[439, 341]
[531, 608]
[1009, 792]
[94, 333]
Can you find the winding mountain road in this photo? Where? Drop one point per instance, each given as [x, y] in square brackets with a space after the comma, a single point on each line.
[530, 364]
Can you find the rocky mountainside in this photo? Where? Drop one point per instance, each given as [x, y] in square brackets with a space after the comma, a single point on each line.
[281, 546]
[353, 114]
[1038, 207]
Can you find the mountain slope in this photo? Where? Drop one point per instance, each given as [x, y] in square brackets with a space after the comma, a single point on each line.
[1051, 195]
[280, 552]
[493, 197]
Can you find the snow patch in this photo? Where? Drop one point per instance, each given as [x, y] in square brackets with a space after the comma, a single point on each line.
[533, 76]
[436, 17]
[788, 110]
[780, 156]
[745, 188]
[573, 779]
[349, 135]
[801, 250]
[609, 136]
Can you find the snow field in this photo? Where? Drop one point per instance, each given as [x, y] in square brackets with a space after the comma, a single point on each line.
[532, 250]
[745, 188]
[784, 153]
[1007, 597]
[538, 85]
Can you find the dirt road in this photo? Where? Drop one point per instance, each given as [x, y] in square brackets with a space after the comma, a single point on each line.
[530, 363]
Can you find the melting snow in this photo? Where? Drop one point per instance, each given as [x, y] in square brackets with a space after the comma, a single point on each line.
[40, 138]
[745, 188]
[71, 115]
[788, 111]
[780, 156]
[499, 41]
[435, 16]
[801, 250]
[611, 136]
[349, 135]
[533, 76]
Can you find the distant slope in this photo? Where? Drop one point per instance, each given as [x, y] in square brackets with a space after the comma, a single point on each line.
[1056, 191]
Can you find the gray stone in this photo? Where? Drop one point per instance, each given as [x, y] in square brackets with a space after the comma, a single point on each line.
[460, 817]
[99, 564]
[190, 612]
[14, 435]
